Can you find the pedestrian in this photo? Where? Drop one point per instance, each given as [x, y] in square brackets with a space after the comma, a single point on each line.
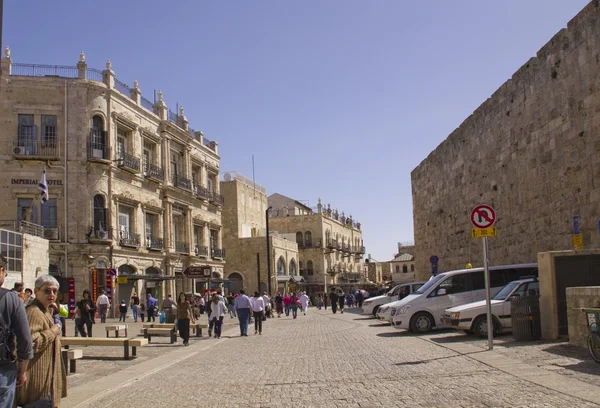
[258, 310]
[87, 309]
[151, 307]
[350, 300]
[30, 296]
[169, 303]
[202, 304]
[230, 303]
[359, 298]
[341, 301]
[242, 308]
[267, 301]
[135, 306]
[142, 311]
[279, 304]
[46, 373]
[18, 287]
[304, 301]
[333, 297]
[218, 310]
[122, 311]
[103, 304]
[286, 304]
[15, 336]
[77, 319]
[184, 315]
[325, 300]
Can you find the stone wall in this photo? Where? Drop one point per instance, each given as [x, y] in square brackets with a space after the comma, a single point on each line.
[35, 258]
[577, 298]
[530, 151]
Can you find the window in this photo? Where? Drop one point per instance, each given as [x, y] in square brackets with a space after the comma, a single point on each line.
[122, 137]
[100, 227]
[149, 149]
[477, 281]
[214, 239]
[455, 284]
[412, 267]
[125, 221]
[98, 138]
[49, 130]
[149, 227]
[197, 239]
[404, 268]
[175, 160]
[11, 249]
[301, 267]
[26, 210]
[397, 268]
[49, 213]
[308, 239]
[309, 268]
[27, 131]
[299, 239]
[280, 267]
[211, 184]
[292, 267]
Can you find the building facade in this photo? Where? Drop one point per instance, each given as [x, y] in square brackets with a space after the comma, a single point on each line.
[330, 244]
[134, 192]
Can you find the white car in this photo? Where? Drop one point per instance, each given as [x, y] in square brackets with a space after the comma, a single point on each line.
[371, 305]
[384, 312]
[472, 317]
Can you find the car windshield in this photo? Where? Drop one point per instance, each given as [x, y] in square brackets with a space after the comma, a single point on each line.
[394, 291]
[430, 283]
[506, 291]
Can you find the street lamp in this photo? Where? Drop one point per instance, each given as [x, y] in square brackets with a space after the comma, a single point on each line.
[268, 251]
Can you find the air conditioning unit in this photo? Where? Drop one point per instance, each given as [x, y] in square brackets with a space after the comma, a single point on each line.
[51, 234]
[19, 150]
[102, 234]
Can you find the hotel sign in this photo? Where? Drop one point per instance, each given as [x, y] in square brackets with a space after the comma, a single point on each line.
[35, 182]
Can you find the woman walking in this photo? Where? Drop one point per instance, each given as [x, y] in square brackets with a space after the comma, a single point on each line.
[279, 304]
[184, 314]
[217, 311]
[286, 304]
[88, 309]
[294, 305]
[46, 374]
[258, 309]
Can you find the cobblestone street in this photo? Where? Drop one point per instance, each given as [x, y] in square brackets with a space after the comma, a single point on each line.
[327, 360]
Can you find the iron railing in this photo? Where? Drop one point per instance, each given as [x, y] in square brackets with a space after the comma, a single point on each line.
[182, 247]
[201, 250]
[202, 192]
[18, 69]
[129, 161]
[147, 104]
[31, 228]
[38, 149]
[154, 243]
[122, 87]
[172, 116]
[182, 182]
[98, 151]
[130, 239]
[101, 235]
[216, 199]
[154, 172]
[94, 74]
[218, 253]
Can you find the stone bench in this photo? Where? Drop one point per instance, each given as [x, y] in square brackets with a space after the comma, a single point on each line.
[197, 328]
[70, 358]
[112, 342]
[116, 328]
[161, 332]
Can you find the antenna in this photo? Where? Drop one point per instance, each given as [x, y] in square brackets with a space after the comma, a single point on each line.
[253, 180]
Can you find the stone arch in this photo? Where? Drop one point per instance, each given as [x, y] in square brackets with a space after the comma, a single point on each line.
[153, 271]
[127, 269]
[293, 270]
[236, 282]
[281, 266]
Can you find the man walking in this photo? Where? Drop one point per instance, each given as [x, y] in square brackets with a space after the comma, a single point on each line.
[151, 306]
[341, 300]
[135, 305]
[230, 303]
[242, 308]
[103, 305]
[333, 297]
[13, 371]
[304, 300]
[168, 303]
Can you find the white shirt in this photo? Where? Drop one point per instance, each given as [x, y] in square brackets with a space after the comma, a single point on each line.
[103, 300]
[267, 301]
[217, 310]
[258, 304]
[304, 299]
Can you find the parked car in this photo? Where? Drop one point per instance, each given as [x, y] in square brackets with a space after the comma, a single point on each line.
[371, 305]
[472, 317]
[423, 310]
[384, 313]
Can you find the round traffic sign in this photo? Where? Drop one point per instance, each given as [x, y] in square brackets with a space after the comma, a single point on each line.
[483, 216]
[385, 277]
[434, 259]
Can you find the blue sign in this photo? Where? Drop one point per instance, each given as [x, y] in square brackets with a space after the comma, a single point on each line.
[434, 269]
[576, 230]
[434, 259]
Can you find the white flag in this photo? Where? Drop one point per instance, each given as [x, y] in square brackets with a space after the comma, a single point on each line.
[43, 187]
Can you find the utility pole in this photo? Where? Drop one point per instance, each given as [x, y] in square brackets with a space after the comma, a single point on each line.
[268, 251]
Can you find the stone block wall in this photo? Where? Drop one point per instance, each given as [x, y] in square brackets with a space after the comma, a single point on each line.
[530, 151]
[35, 258]
[577, 298]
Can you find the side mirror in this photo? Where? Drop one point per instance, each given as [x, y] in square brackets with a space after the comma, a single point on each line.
[441, 292]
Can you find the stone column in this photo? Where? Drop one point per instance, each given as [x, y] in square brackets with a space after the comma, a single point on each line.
[81, 66]
[206, 237]
[182, 121]
[108, 75]
[160, 108]
[135, 93]
[6, 62]
[168, 228]
[190, 230]
[166, 163]
[187, 162]
[220, 237]
[203, 175]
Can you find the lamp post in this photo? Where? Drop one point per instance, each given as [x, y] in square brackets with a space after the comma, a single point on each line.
[268, 251]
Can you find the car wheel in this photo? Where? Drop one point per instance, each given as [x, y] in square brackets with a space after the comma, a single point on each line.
[480, 327]
[375, 311]
[421, 323]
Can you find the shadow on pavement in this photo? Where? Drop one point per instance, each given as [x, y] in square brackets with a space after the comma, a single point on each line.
[395, 333]
[380, 325]
[364, 318]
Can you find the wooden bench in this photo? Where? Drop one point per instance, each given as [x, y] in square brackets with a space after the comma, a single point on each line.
[70, 358]
[161, 332]
[116, 328]
[112, 342]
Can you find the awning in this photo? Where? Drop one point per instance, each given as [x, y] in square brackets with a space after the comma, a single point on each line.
[149, 277]
[290, 278]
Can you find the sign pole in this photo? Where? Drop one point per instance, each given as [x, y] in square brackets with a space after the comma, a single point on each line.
[488, 303]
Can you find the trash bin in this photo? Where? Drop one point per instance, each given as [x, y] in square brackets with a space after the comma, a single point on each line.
[525, 318]
[170, 315]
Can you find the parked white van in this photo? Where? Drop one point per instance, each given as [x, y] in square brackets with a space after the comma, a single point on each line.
[424, 309]
[371, 305]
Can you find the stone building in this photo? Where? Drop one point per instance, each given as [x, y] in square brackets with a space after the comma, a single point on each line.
[330, 244]
[26, 254]
[403, 268]
[134, 192]
[530, 151]
[244, 236]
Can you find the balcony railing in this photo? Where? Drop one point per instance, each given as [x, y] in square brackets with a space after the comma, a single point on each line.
[202, 192]
[216, 199]
[350, 276]
[129, 162]
[97, 151]
[129, 239]
[182, 182]
[154, 172]
[154, 243]
[100, 235]
[311, 278]
[332, 271]
[218, 253]
[331, 244]
[31, 228]
[18, 69]
[361, 250]
[48, 149]
[182, 247]
[201, 250]
[300, 244]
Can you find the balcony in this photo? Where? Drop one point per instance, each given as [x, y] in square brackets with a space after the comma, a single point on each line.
[154, 243]
[182, 182]
[332, 271]
[331, 244]
[97, 151]
[201, 251]
[30, 228]
[129, 239]
[129, 162]
[216, 199]
[154, 172]
[202, 192]
[311, 278]
[360, 250]
[36, 150]
[182, 247]
[52, 234]
[99, 236]
[218, 253]
[350, 276]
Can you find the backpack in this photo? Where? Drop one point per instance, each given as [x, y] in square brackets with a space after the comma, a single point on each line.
[5, 334]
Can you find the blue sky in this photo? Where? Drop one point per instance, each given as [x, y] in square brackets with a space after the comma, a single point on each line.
[335, 99]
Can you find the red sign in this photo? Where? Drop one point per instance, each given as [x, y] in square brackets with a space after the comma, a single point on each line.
[71, 296]
[483, 216]
[109, 287]
[94, 284]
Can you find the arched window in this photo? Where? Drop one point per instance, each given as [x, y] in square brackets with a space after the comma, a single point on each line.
[412, 267]
[98, 148]
[404, 268]
[307, 239]
[299, 239]
[100, 227]
[397, 268]
[292, 267]
[280, 267]
[300, 267]
[309, 268]
[126, 270]
[236, 282]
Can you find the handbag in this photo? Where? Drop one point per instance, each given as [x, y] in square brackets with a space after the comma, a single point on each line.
[46, 402]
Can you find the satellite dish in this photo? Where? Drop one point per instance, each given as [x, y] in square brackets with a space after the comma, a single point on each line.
[227, 177]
